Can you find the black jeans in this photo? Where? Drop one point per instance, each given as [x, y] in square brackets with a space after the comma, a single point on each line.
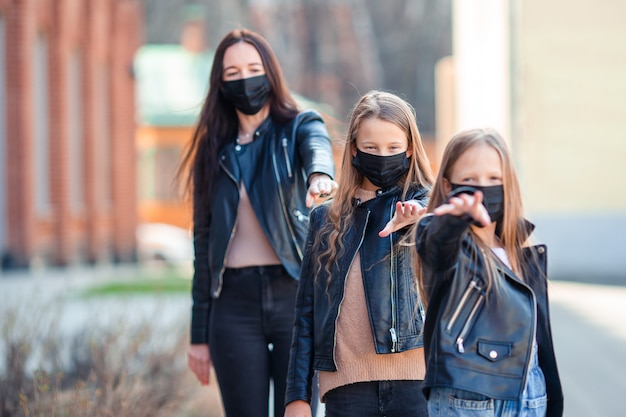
[377, 399]
[250, 336]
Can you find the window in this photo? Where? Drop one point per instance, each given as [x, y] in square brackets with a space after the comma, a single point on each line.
[157, 168]
[76, 144]
[102, 138]
[41, 134]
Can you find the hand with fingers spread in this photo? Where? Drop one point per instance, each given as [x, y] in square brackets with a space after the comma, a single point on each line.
[199, 361]
[466, 205]
[321, 187]
[407, 213]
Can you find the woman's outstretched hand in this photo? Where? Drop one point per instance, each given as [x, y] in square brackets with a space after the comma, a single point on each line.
[407, 213]
[298, 408]
[466, 204]
[321, 187]
[200, 363]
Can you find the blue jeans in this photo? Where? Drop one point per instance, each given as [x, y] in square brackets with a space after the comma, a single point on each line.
[377, 399]
[458, 403]
[250, 337]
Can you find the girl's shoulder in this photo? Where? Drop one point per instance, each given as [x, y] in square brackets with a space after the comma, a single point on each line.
[418, 192]
[318, 213]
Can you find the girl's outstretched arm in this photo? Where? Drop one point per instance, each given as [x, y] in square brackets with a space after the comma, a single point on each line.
[407, 213]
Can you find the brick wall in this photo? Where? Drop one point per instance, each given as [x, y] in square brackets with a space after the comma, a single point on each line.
[104, 34]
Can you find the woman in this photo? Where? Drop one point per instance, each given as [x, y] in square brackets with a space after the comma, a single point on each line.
[255, 167]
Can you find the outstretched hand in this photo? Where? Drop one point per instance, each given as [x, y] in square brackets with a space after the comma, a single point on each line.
[466, 204]
[407, 213]
[321, 187]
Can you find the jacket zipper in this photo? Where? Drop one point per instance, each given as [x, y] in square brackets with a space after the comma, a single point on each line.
[460, 340]
[300, 215]
[392, 331]
[473, 285]
[532, 341]
[220, 280]
[284, 142]
[345, 280]
[283, 207]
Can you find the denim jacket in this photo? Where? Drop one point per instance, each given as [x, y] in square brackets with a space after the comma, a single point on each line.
[391, 293]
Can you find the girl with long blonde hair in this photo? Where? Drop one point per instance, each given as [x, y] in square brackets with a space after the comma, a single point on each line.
[358, 321]
[487, 333]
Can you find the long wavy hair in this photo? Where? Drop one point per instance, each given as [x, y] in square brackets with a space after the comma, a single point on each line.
[512, 230]
[218, 124]
[373, 105]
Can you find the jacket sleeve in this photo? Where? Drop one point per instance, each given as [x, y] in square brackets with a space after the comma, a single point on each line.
[438, 240]
[314, 145]
[201, 285]
[300, 372]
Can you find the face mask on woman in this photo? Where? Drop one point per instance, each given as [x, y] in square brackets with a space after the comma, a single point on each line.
[382, 171]
[248, 95]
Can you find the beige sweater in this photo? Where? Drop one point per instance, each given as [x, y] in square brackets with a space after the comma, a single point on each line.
[357, 361]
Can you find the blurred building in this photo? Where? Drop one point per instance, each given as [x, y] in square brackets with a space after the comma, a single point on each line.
[551, 77]
[67, 155]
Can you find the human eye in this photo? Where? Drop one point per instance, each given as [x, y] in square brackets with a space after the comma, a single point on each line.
[229, 75]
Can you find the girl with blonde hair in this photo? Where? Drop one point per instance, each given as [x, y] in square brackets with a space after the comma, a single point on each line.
[358, 320]
[488, 342]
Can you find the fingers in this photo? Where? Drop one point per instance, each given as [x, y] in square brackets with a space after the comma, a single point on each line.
[407, 213]
[321, 187]
[200, 365]
[462, 204]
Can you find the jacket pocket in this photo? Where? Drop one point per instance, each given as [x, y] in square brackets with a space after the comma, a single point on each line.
[494, 351]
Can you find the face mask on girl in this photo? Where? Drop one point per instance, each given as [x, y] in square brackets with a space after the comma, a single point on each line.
[493, 198]
[382, 171]
[248, 95]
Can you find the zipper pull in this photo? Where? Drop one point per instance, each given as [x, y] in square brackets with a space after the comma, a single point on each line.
[284, 143]
[394, 339]
[459, 345]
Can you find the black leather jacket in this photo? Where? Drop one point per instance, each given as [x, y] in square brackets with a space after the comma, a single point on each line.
[479, 339]
[292, 152]
[390, 291]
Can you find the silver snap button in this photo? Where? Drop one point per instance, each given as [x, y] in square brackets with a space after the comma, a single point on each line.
[237, 148]
[541, 249]
[493, 354]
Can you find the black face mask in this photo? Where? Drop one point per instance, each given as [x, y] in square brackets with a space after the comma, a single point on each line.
[248, 95]
[493, 198]
[382, 171]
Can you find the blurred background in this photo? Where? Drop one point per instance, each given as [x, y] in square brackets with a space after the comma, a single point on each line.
[98, 97]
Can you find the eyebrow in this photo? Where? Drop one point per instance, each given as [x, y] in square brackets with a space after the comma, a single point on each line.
[251, 64]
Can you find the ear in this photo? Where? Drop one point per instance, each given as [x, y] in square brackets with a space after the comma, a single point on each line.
[447, 187]
[409, 151]
[353, 149]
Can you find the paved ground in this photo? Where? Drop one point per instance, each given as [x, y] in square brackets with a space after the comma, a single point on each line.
[588, 322]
